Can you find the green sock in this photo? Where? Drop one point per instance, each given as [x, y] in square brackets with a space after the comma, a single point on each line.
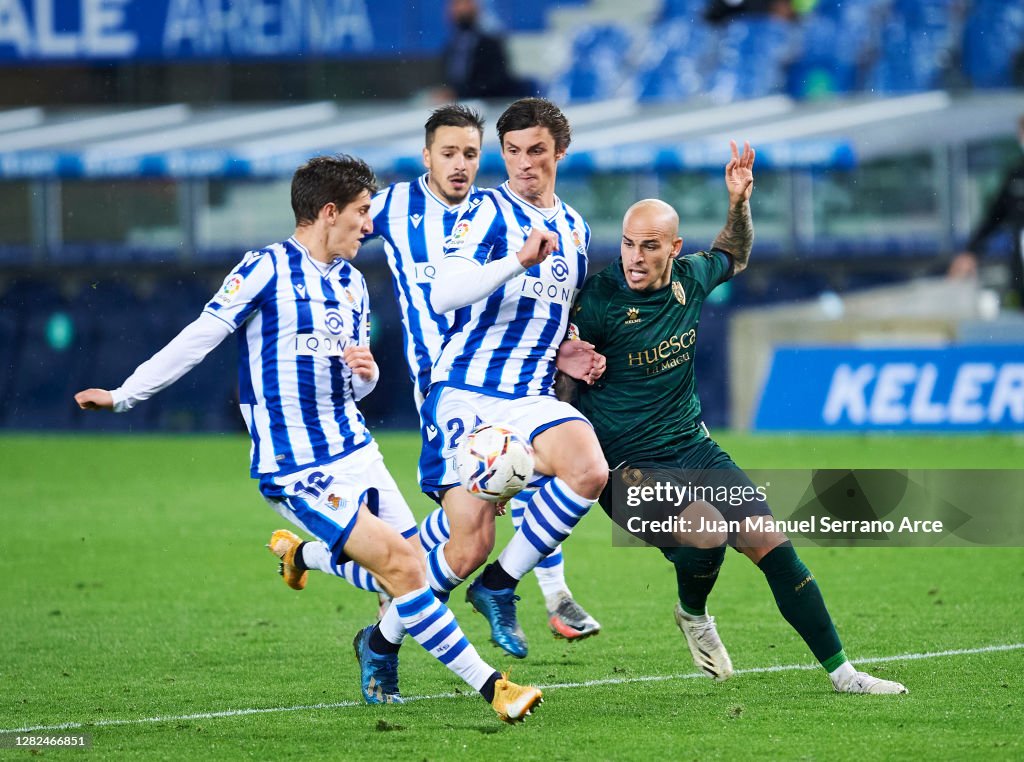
[799, 599]
[696, 572]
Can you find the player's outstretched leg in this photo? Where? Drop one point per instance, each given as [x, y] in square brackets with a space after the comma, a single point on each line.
[566, 618]
[286, 545]
[432, 624]
[547, 521]
[298, 556]
[415, 610]
[696, 572]
[800, 601]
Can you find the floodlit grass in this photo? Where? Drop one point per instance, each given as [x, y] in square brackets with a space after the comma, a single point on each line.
[136, 586]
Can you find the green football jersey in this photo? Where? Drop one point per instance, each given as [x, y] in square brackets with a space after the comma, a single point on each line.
[646, 405]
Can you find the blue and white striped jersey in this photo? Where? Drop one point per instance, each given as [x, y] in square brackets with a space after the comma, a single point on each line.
[505, 345]
[295, 391]
[415, 224]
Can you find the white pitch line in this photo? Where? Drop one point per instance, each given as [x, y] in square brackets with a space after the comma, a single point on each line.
[552, 686]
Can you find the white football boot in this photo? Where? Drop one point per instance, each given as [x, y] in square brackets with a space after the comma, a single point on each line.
[706, 647]
[862, 682]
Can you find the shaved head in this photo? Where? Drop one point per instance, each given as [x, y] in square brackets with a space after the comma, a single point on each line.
[654, 211]
[650, 242]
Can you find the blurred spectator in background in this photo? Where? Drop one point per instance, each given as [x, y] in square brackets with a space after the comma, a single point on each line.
[475, 63]
[720, 11]
[1007, 208]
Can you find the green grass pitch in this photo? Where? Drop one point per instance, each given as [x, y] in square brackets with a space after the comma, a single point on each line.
[138, 599]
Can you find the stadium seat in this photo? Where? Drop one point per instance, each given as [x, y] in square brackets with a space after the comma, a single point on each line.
[683, 10]
[754, 54]
[993, 37]
[828, 60]
[675, 60]
[919, 43]
[600, 58]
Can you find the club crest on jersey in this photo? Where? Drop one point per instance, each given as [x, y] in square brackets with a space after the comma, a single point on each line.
[632, 315]
[416, 219]
[349, 296]
[577, 241]
[229, 290]
[678, 292]
[337, 503]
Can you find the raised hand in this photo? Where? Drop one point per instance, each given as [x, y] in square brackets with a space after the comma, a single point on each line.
[739, 173]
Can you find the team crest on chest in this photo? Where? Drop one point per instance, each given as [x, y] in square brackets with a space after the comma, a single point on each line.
[578, 241]
[349, 296]
[632, 315]
[678, 292]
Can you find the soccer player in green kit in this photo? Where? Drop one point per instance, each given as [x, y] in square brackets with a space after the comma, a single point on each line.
[642, 314]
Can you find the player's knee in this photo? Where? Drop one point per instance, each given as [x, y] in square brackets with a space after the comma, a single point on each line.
[589, 475]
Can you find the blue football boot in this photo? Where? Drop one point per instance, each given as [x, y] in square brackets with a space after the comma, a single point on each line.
[499, 607]
[378, 672]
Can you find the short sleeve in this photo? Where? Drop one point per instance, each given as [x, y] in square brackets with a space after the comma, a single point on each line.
[479, 233]
[244, 289]
[708, 268]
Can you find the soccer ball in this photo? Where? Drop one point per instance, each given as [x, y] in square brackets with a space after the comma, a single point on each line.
[494, 462]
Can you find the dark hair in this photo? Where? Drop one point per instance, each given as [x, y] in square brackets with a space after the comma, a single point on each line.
[453, 115]
[329, 179]
[535, 112]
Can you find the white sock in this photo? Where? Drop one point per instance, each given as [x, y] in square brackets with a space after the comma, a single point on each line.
[549, 518]
[433, 626]
[434, 529]
[551, 580]
[440, 576]
[550, 572]
[316, 555]
[842, 673]
[358, 577]
[391, 626]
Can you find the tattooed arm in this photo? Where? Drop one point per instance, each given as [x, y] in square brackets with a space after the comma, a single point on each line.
[737, 237]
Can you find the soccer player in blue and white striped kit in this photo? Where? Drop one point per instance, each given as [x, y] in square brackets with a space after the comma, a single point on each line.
[304, 361]
[415, 220]
[512, 267]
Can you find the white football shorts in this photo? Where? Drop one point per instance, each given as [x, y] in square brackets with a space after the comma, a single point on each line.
[324, 499]
[449, 413]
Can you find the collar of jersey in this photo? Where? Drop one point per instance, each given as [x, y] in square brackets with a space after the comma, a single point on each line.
[426, 189]
[520, 200]
[305, 252]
